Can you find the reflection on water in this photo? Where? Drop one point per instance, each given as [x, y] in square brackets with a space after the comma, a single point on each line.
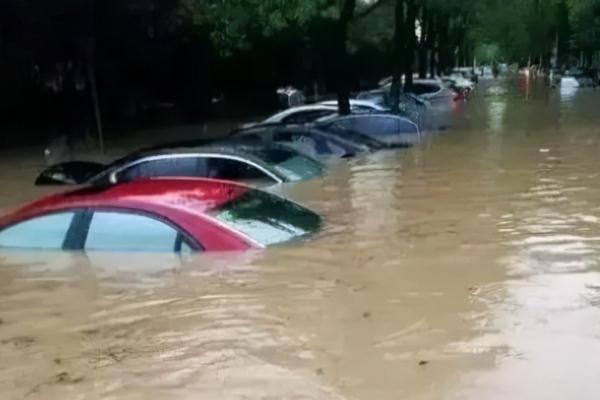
[467, 268]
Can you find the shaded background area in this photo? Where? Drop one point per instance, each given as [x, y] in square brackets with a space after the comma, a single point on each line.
[160, 63]
[153, 65]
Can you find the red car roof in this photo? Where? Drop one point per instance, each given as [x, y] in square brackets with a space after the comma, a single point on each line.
[192, 195]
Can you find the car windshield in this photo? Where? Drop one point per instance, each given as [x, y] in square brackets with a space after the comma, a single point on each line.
[294, 166]
[267, 219]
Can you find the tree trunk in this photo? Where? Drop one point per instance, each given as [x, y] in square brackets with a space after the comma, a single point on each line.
[91, 71]
[90, 57]
[423, 43]
[443, 47]
[411, 43]
[398, 65]
[431, 43]
[343, 77]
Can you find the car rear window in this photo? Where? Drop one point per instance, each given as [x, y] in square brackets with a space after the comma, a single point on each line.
[267, 219]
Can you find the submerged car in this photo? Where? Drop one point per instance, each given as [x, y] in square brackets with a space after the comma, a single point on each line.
[158, 215]
[381, 97]
[300, 115]
[312, 141]
[253, 163]
[311, 112]
[577, 79]
[459, 84]
[388, 128]
[431, 90]
[358, 105]
[467, 73]
[410, 106]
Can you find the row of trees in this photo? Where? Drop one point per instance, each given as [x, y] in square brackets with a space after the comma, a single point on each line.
[428, 35]
[559, 33]
[189, 52]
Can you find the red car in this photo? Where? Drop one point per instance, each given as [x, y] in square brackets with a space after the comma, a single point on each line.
[158, 215]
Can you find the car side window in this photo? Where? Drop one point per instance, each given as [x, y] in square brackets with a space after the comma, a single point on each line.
[47, 232]
[121, 231]
[228, 169]
[303, 117]
[166, 167]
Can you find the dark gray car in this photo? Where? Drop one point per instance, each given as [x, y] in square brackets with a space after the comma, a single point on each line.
[259, 164]
[388, 128]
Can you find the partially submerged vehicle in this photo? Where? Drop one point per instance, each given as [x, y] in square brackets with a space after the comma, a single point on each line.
[577, 79]
[260, 164]
[409, 105]
[431, 90]
[381, 97]
[158, 215]
[308, 113]
[358, 105]
[392, 129]
[300, 114]
[311, 140]
[459, 84]
[467, 73]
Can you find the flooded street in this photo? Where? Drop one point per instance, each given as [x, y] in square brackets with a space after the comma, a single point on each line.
[466, 268]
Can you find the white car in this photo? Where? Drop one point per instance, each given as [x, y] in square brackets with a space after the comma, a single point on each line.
[296, 115]
[576, 81]
[426, 89]
[301, 114]
[460, 82]
[431, 89]
[357, 105]
[309, 113]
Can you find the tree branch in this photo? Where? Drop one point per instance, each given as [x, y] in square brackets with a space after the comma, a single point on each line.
[370, 9]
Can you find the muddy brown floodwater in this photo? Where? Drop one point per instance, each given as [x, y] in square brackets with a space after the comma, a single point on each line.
[467, 268]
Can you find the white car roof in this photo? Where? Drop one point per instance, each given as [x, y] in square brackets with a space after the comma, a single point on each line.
[355, 103]
[290, 111]
[436, 81]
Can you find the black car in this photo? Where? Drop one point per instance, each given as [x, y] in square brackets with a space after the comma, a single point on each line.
[254, 163]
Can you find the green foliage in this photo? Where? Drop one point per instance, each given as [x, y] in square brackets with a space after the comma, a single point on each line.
[523, 29]
[487, 53]
[233, 22]
[509, 30]
[585, 19]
